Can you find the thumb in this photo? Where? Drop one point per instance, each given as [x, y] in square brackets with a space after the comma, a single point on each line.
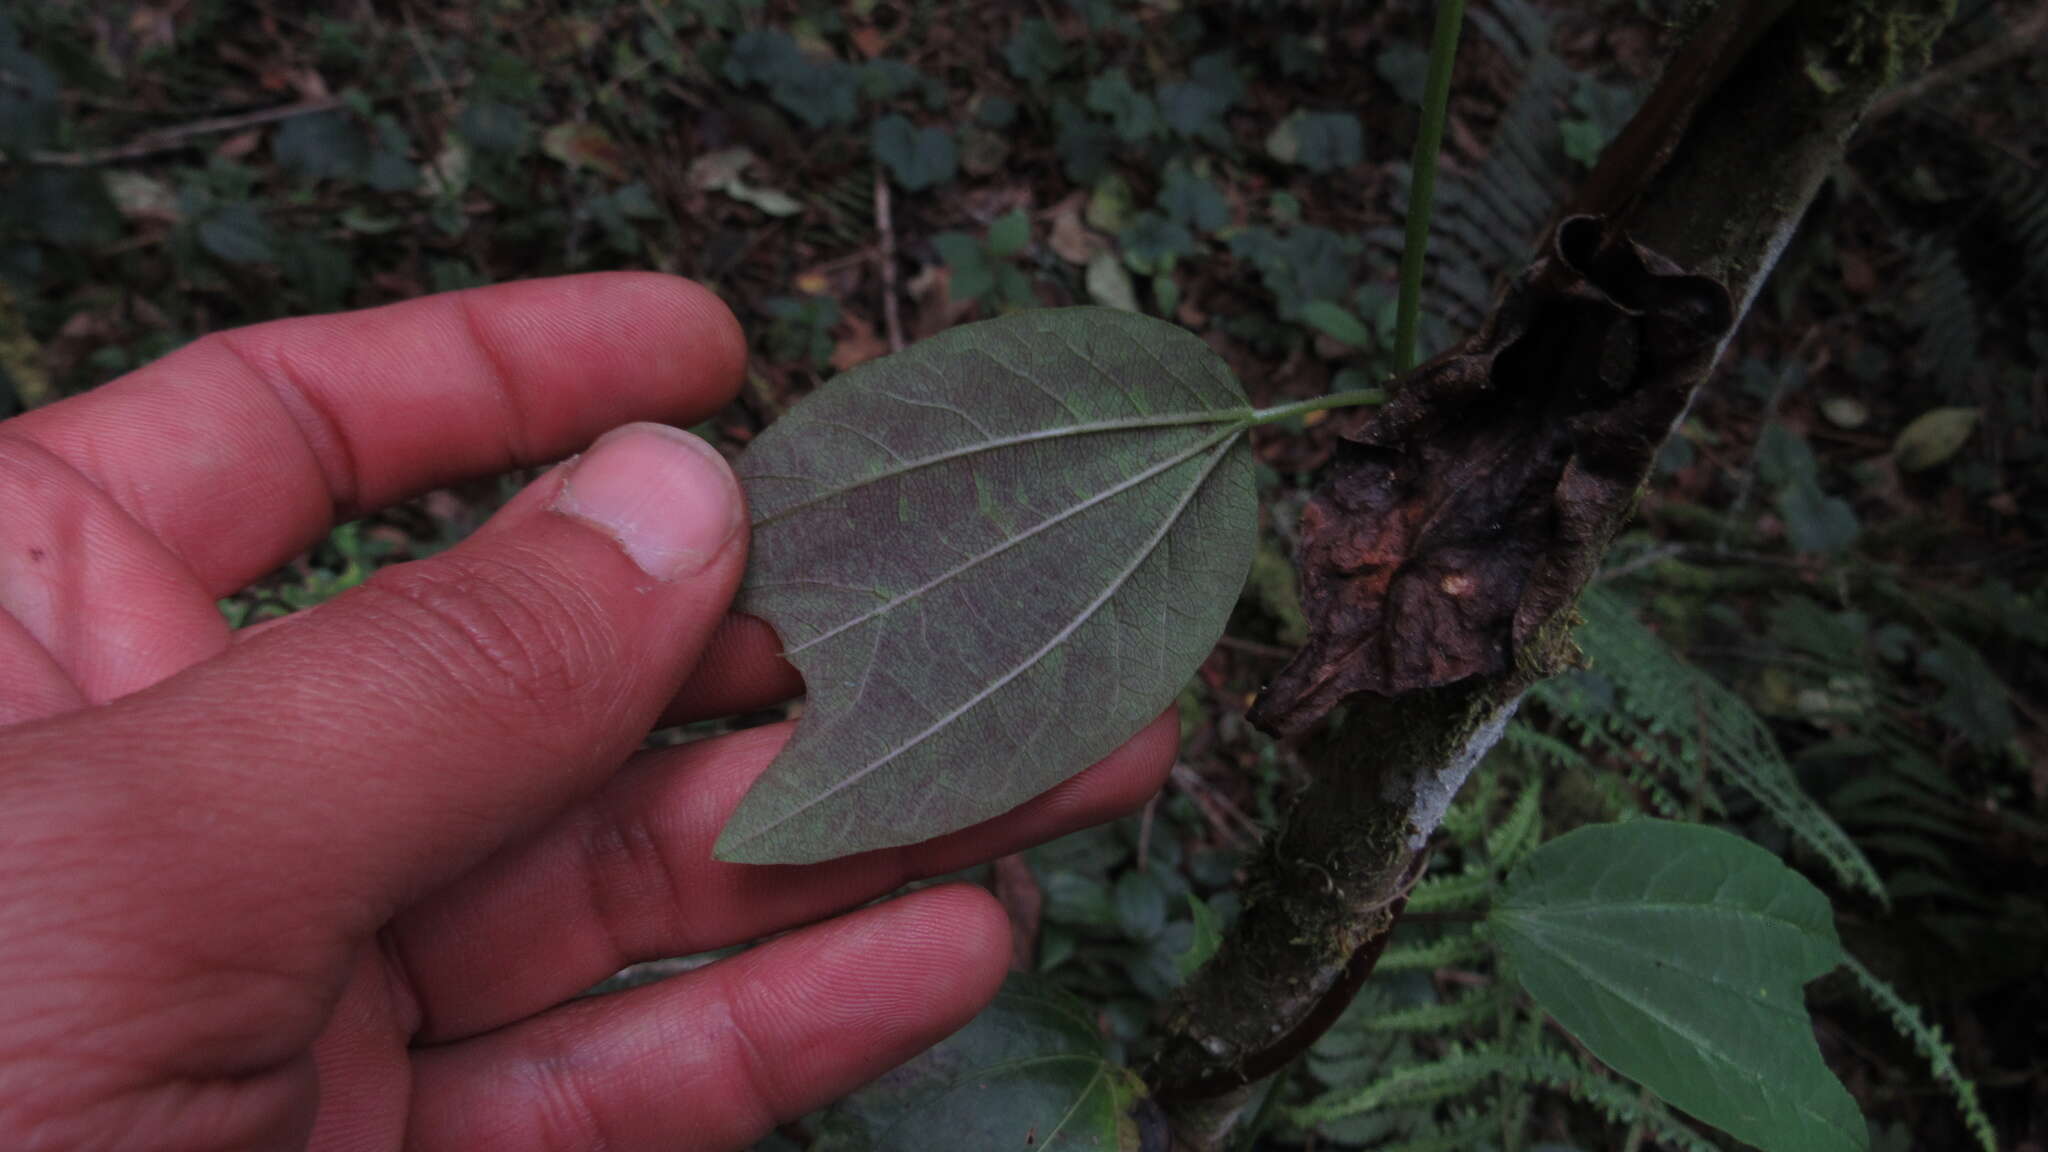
[392, 737]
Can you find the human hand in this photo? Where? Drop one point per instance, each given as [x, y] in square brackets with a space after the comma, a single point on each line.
[338, 879]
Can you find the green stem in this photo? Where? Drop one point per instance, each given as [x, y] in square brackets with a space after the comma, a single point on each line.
[1350, 399]
[1436, 98]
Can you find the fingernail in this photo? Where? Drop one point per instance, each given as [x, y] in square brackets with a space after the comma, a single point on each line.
[666, 496]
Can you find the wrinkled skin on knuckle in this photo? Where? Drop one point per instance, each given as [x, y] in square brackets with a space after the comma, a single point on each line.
[520, 639]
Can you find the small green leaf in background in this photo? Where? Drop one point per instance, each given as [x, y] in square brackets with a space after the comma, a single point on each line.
[901, 513]
[1934, 437]
[1195, 111]
[1140, 904]
[1132, 114]
[1405, 68]
[967, 259]
[1816, 521]
[1974, 701]
[1676, 953]
[1030, 1072]
[917, 157]
[237, 234]
[1318, 141]
[322, 146]
[1192, 201]
[1010, 233]
[1035, 53]
[1336, 322]
[1208, 938]
[1152, 244]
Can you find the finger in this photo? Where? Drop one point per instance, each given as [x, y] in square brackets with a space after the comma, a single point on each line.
[742, 671]
[109, 609]
[628, 876]
[239, 450]
[715, 1058]
[398, 733]
[32, 684]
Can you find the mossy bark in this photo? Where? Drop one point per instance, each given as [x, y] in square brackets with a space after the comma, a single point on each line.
[1752, 151]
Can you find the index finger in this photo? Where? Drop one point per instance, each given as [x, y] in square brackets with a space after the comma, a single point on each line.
[243, 448]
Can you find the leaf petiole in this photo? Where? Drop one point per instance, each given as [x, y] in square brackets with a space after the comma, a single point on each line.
[1352, 399]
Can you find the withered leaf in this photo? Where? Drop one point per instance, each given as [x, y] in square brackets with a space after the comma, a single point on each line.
[1463, 515]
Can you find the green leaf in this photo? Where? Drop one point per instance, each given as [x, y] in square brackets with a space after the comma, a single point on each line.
[1195, 112]
[1151, 243]
[1035, 53]
[1208, 938]
[322, 146]
[917, 157]
[238, 234]
[1140, 905]
[967, 258]
[1676, 954]
[1336, 322]
[1009, 234]
[1192, 201]
[1934, 437]
[1974, 701]
[1133, 115]
[993, 557]
[1029, 1072]
[1816, 521]
[1318, 141]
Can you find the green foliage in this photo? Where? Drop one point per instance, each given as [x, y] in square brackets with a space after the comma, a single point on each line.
[1663, 719]
[800, 328]
[1094, 444]
[917, 157]
[820, 92]
[1318, 141]
[1031, 1070]
[1035, 53]
[985, 269]
[1927, 1040]
[1676, 954]
[1133, 115]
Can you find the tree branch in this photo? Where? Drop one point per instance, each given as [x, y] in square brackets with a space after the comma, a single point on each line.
[1431, 624]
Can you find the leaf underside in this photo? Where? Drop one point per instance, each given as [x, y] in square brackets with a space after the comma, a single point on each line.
[993, 557]
[1677, 953]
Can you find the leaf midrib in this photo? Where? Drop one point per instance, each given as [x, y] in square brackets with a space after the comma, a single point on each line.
[1065, 514]
[1240, 416]
[1650, 1010]
[1166, 525]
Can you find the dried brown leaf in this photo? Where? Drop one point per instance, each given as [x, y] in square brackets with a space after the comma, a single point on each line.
[1470, 510]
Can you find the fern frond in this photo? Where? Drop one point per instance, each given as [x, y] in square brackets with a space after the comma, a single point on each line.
[1444, 952]
[1518, 832]
[1463, 1012]
[1926, 1039]
[1472, 1132]
[1697, 720]
[1457, 1072]
[1947, 315]
[1451, 891]
[1620, 1102]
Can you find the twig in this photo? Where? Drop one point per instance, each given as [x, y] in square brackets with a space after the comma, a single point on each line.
[171, 139]
[1255, 648]
[2021, 41]
[179, 136]
[892, 316]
